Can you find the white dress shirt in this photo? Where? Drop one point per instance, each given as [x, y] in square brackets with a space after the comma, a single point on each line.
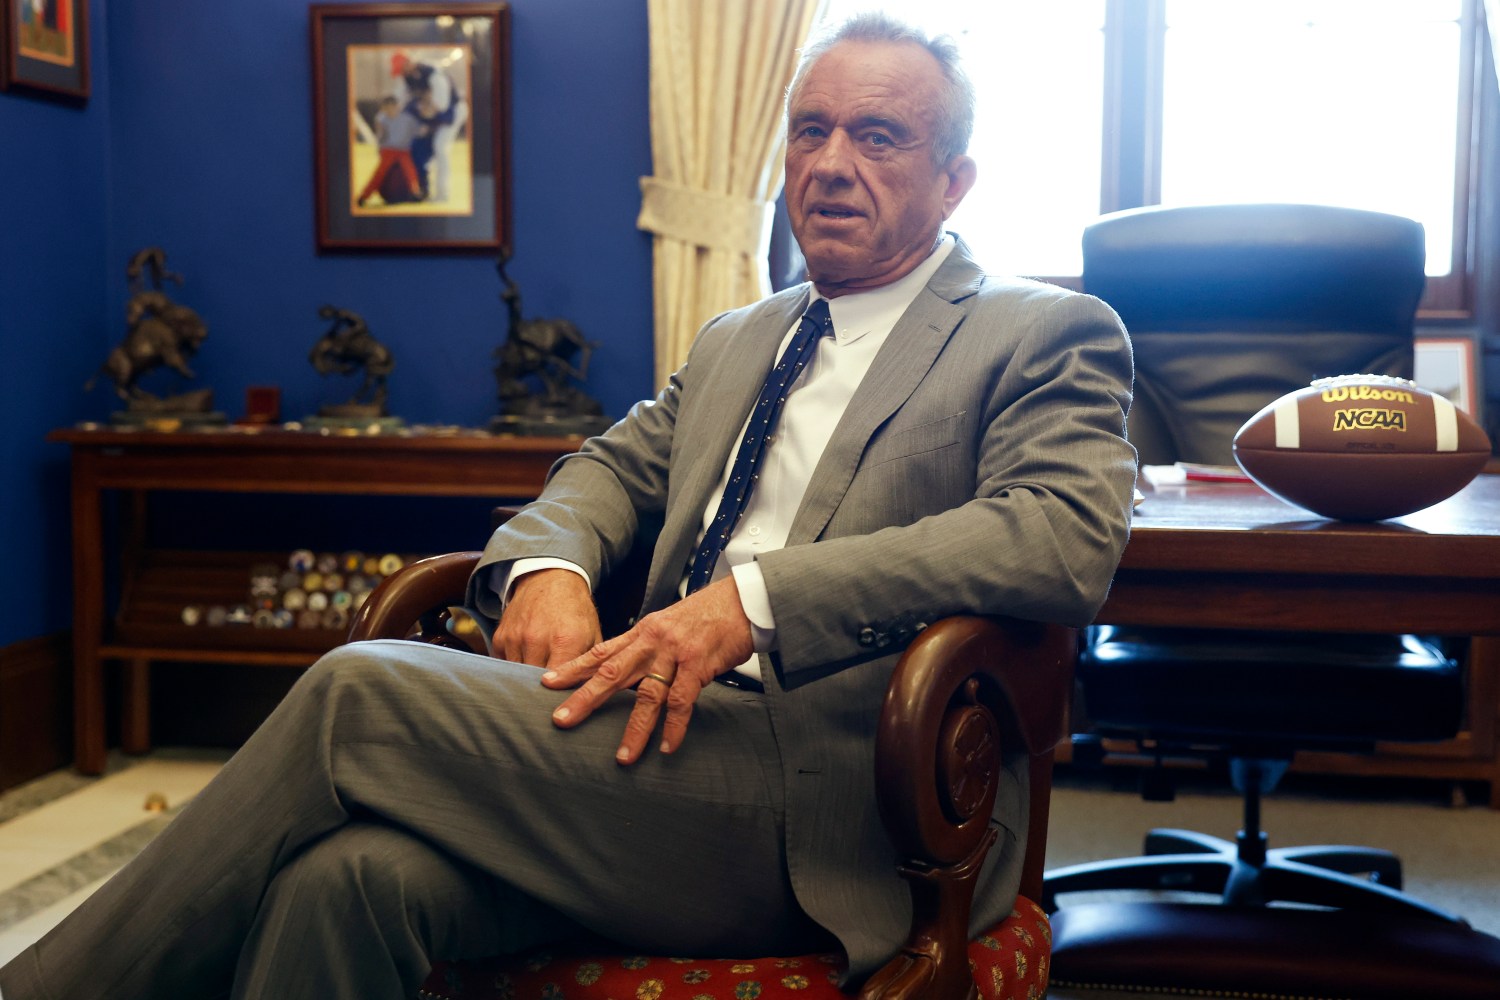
[814, 405]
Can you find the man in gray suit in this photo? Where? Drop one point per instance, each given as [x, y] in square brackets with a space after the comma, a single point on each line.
[953, 443]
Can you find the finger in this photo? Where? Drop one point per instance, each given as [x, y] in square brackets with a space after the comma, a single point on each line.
[511, 653]
[680, 704]
[574, 671]
[545, 648]
[554, 647]
[517, 646]
[566, 648]
[612, 672]
[501, 646]
[650, 697]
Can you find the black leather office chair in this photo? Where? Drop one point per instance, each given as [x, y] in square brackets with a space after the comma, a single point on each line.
[1230, 307]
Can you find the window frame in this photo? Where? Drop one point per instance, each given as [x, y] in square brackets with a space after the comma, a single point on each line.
[1134, 54]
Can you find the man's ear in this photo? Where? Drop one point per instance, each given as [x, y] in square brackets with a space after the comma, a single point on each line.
[961, 173]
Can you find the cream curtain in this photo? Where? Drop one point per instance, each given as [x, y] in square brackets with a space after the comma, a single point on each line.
[1492, 18]
[719, 71]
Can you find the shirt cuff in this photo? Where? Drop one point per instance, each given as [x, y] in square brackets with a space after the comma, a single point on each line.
[503, 576]
[756, 604]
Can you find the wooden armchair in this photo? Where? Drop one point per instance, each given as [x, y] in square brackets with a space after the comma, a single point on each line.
[966, 688]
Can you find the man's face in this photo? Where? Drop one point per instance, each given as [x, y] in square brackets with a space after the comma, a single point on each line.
[866, 199]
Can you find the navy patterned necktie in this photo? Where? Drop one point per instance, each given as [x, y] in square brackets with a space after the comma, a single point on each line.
[743, 474]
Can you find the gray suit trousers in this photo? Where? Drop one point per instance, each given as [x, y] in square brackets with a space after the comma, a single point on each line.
[407, 803]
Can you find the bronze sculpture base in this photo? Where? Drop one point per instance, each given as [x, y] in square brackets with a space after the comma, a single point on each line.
[170, 413]
[569, 425]
[165, 420]
[352, 423]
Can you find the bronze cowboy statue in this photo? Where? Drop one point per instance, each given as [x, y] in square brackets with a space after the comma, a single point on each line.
[536, 371]
[160, 333]
[348, 347]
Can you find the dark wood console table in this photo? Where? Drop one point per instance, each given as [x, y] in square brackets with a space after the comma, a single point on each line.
[147, 624]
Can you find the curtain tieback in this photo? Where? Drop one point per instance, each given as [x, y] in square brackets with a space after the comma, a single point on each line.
[702, 218]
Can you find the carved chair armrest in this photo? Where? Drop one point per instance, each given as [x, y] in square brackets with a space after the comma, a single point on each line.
[966, 689]
[413, 602]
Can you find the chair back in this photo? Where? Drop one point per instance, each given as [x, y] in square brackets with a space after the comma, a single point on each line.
[1232, 306]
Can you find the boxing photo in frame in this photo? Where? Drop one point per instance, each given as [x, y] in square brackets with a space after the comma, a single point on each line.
[411, 131]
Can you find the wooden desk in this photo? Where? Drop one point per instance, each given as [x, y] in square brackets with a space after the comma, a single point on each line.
[236, 461]
[1215, 555]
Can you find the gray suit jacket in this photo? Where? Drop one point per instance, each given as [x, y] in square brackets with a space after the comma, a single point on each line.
[981, 467]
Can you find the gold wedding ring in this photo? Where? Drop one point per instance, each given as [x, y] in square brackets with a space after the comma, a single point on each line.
[658, 677]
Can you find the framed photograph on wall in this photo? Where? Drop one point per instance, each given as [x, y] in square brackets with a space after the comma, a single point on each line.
[1445, 365]
[46, 46]
[411, 126]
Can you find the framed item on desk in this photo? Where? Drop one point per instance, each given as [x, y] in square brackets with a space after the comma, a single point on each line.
[411, 140]
[46, 46]
[1445, 365]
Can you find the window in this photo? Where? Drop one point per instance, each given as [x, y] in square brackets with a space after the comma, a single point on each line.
[1038, 69]
[1342, 104]
[1090, 107]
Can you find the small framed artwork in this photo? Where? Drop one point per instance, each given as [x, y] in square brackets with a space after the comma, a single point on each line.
[411, 112]
[46, 46]
[1445, 365]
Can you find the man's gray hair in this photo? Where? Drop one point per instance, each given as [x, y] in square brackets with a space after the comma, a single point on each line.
[955, 110]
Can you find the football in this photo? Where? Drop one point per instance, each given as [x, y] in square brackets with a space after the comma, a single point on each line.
[1361, 447]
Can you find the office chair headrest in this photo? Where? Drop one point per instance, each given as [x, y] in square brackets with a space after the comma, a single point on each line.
[1289, 267]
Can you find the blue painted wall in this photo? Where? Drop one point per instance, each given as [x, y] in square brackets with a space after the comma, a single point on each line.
[198, 139]
[53, 229]
[211, 134]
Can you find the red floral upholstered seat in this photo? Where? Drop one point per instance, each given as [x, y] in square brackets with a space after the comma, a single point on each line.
[1009, 962]
[964, 690]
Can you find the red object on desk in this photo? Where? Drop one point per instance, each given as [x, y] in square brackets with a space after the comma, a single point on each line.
[262, 404]
[1196, 473]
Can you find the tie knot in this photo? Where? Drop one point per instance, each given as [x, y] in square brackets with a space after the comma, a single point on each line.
[817, 314]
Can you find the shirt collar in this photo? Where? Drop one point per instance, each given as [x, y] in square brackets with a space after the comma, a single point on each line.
[859, 313]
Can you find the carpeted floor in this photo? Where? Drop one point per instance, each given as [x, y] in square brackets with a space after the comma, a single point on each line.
[61, 835]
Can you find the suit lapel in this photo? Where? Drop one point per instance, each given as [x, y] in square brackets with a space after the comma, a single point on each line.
[902, 363]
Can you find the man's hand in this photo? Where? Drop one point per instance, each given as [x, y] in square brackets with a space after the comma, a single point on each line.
[549, 619]
[672, 654]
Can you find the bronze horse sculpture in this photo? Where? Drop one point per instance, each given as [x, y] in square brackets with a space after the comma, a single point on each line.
[347, 347]
[160, 333]
[543, 349]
